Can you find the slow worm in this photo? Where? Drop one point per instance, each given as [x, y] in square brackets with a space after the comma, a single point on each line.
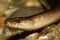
[34, 22]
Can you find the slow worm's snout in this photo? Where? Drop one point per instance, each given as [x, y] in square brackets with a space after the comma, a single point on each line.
[8, 22]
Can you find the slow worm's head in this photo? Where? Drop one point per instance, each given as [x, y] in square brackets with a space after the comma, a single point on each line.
[13, 22]
[19, 23]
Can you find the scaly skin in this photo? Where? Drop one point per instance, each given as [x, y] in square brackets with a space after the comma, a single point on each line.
[34, 22]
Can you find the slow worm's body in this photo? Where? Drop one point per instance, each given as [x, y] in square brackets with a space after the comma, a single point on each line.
[34, 22]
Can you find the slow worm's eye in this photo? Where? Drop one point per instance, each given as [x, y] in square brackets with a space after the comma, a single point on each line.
[18, 21]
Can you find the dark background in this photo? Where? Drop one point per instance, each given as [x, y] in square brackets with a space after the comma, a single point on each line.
[54, 3]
